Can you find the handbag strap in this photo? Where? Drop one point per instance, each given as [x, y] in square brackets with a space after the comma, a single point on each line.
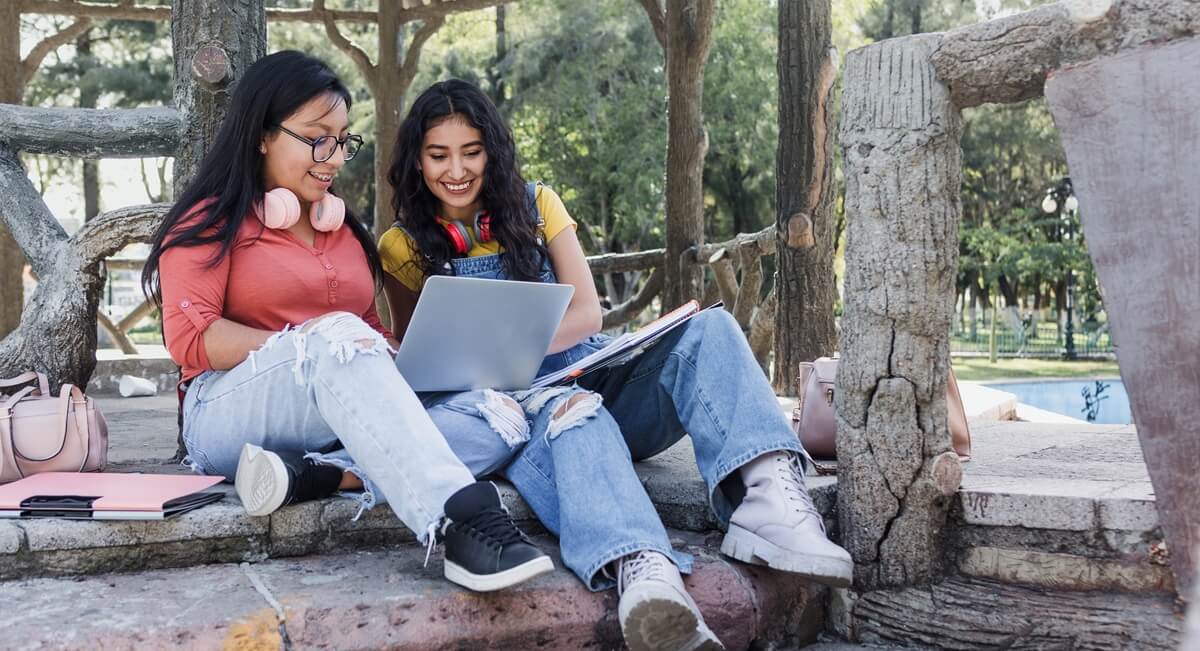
[24, 378]
[7, 407]
[71, 394]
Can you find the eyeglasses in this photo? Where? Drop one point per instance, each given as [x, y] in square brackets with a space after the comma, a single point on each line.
[324, 147]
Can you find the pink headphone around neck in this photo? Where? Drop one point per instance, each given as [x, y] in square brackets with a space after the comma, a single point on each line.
[281, 209]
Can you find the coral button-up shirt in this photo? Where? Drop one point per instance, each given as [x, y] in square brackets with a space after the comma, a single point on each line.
[268, 280]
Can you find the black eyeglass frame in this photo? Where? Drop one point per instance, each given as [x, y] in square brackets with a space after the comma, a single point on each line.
[341, 142]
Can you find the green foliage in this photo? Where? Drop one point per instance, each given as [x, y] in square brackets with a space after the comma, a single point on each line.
[588, 109]
[741, 88]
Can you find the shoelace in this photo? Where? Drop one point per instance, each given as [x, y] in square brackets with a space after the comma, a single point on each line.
[497, 526]
[639, 566]
[792, 474]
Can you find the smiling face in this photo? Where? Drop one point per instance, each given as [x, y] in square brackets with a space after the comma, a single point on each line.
[453, 160]
[288, 162]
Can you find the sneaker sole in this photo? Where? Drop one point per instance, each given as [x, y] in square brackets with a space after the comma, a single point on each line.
[500, 580]
[750, 548]
[664, 623]
[261, 480]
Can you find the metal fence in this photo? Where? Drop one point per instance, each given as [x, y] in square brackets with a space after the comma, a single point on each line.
[1040, 340]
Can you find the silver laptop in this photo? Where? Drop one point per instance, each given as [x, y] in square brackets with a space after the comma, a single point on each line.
[474, 333]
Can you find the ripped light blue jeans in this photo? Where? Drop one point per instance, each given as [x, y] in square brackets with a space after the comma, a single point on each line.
[572, 457]
[332, 394]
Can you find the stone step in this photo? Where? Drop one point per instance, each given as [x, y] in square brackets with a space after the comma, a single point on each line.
[224, 533]
[1064, 506]
[385, 598]
[1061, 506]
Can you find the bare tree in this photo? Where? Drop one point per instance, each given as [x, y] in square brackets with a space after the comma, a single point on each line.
[684, 30]
[804, 327]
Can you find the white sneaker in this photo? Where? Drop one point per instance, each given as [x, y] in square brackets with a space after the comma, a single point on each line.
[656, 612]
[261, 481]
[777, 525]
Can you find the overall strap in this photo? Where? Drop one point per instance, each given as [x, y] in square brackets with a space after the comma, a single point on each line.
[532, 189]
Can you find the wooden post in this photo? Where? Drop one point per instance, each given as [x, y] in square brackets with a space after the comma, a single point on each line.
[900, 144]
[1132, 136]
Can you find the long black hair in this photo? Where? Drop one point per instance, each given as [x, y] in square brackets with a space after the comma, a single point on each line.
[503, 192]
[231, 175]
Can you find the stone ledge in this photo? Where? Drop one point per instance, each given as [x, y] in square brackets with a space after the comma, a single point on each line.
[386, 598]
[223, 533]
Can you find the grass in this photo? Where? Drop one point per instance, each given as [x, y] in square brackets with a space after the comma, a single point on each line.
[978, 369]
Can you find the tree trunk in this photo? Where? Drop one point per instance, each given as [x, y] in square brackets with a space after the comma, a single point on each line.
[214, 42]
[88, 95]
[495, 76]
[804, 328]
[688, 38]
[12, 261]
[900, 143]
[389, 102]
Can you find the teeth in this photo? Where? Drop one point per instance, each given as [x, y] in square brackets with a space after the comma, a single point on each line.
[322, 177]
[458, 187]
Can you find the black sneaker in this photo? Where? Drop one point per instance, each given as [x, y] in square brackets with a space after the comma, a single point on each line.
[266, 482]
[484, 550]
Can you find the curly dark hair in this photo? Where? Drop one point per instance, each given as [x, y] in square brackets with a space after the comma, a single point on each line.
[503, 192]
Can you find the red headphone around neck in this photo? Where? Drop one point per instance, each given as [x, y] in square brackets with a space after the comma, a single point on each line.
[461, 236]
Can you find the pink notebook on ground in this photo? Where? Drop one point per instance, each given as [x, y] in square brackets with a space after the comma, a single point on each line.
[105, 496]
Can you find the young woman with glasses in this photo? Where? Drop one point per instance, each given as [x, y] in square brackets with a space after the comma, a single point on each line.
[267, 288]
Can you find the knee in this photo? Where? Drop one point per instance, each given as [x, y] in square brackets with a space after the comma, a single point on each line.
[572, 411]
[716, 320]
[346, 334]
[505, 416]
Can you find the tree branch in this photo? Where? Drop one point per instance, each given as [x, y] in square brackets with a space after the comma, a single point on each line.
[91, 133]
[118, 336]
[314, 15]
[356, 53]
[625, 262]
[624, 312]
[764, 240]
[412, 55]
[658, 20]
[49, 44]
[28, 218]
[127, 11]
[112, 231]
[444, 8]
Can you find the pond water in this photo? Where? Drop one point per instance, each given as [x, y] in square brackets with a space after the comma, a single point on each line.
[1104, 400]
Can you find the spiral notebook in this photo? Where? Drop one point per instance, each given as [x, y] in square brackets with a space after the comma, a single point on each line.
[106, 495]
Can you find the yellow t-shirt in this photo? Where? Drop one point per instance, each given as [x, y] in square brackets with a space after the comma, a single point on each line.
[398, 250]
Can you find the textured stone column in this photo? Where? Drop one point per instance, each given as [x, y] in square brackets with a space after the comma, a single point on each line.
[900, 142]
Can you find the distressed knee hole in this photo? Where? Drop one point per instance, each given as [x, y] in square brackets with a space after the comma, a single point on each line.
[572, 412]
[535, 400]
[505, 416]
[347, 336]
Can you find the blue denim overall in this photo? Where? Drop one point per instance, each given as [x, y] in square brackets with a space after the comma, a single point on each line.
[573, 463]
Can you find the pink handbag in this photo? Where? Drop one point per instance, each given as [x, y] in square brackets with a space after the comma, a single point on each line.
[43, 433]
[815, 422]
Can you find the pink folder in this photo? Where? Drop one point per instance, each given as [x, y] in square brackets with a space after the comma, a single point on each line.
[116, 491]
